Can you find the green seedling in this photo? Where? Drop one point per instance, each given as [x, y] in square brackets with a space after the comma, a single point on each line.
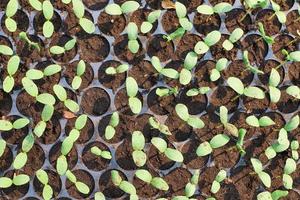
[250, 5]
[191, 186]
[117, 70]
[251, 91]
[6, 125]
[157, 182]
[289, 167]
[258, 169]
[181, 12]
[17, 180]
[42, 176]
[61, 94]
[6, 50]
[215, 73]
[289, 57]
[275, 195]
[176, 34]
[183, 113]
[133, 43]
[10, 11]
[234, 37]
[240, 141]
[35, 74]
[125, 186]
[99, 196]
[40, 127]
[28, 142]
[81, 187]
[264, 121]
[110, 130]
[162, 146]
[211, 39]
[155, 124]
[125, 8]
[2, 147]
[217, 141]
[20, 160]
[230, 128]
[77, 80]
[248, 65]
[151, 18]
[264, 36]
[100, 153]
[57, 50]
[294, 149]
[138, 144]
[218, 8]
[190, 61]
[134, 102]
[280, 14]
[294, 91]
[164, 92]
[23, 36]
[196, 91]
[168, 72]
[86, 24]
[48, 11]
[12, 68]
[216, 185]
[274, 81]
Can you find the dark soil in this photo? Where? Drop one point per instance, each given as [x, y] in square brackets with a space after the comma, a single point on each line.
[54, 182]
[4, 41]
[204, 24]
[185, 45]
[233, 20]
[107, 187]
[294, 73]
[139, 16]
[121, 101]
[226, 156]
[14, 136]
[15, 192]
[287, 103]
[141, 123]
[195, 104]
[160, 47]
[111, 25]
[159, 160]
[292, 22]
[219, 52]
[54, 153]
[239, 120]
[207, 177]
[85, 133]
[95, 4]
[202, 73]
[286, 42]
[39, 20]
[124, 155]
[172, 178]
[254, 105]
[266, 67]
[169, 21]
[6, 159]
[52, 131]
[271, 24]
[22, 24]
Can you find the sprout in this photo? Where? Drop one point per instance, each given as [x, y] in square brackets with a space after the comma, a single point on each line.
[76, 82]
[156, 182]
[168, 72]
[289, 167]
[217, 141]
[23, 36]
[17, 180]
[280, 14]
[42, 176]
[56, 50]
[221, 176]
[11, 10]
[176, 34]
[113, 123]
[99, 196]
[261, 122]
[138, 144]
[218, 8]
[196, 91]
[12, 68]
[61, 165]
[35, 74]
[155, 124]
[294, 149]
[215, 73]
[289, 57]
[274, 81]
[162, 146]
[250, 5]
[133, 43]
[28, 143]
[182, 112]
[251, 91]
[230, 128]
[292, 124]
[61, 94]
[125, 186]
[47, 113]
[48, 11]
[258, 169]
[86, 24]
[6, 50]
[240, 141]
[162, 92]
[294, 91]
[276, 195]
[181, 14]
[20, 160]
[211, 39]
[151, 18]
[132, 90]
[190, 61]
[191, 186]
[2, 147]
[125, 8]
[248, 64]
[6, 125]
[233, 38]
[267, 39]
[103, 154]
[81, 187]
[117, 70]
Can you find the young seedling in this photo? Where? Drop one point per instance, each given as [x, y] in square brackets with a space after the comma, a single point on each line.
[235, 36]
[125, 186]
[86, 24]
[240, 141]
[77, 80]
[183, 113]
[216, 185]
[217, 141]
[35, 74]
[23, 36]
[264, 121]
[258, 169]
[2, 147]
[117, 70]
[133, 43]
[151, 18]
[274, 81]
[40, 127]
[113, 123]
[57, 50]
[280, 14]
[248, 65]
[155, 124]
[268, 39]
[289, 57]
[294, 149]
[191, 186]
[132, 90]
[162, 146]
[61, 94]
[157, 182]
[289, 167]
[138, 144]
[250, 5]
[190, 61]
[20, 160]
[100, 153]
[81, 187]
[6, 50]
[251, 91]
[218, 8]
[125, 8]
[176, 34]
[12, 68]
[230, 128]
[275, 195]
[47, 8]
[211, 39]
[11, 10]
[196, 91]
[168, 72]
[17, 180]
[181, 14]
[42, 176]
[215, 73]
[6, 125]
[294, 91]
[99, 196]
[163, 92]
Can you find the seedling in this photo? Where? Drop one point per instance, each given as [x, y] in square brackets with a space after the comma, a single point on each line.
[154, 123]
[289, 57]
[86, 24]
[81, 187]
[99, 196]
[181, 14]
[289, 167]
[211, 39]
[240, 141]
[47, 8]
[23, 36]
[77, 80]
[6, 125]
[248, 65]
[264, 121]
[163, 92]
[35, 74]
[113, 123]
[176, 34]
[133, 43]
[191, 186]
[17, 180]
[267, 39]
[162, 146]
[274, 81]
[258, 169]
[117, 70]
[20, 160]
[190, 61]
[218, 8]
[11, 10]
[215, 73]
[275, 195]
[251, 91]
[250, 5]
[12, 68]
[230, 128]
[2, 147]
[294, 149]
[40, 127]
[138, 144]
[132, 90]
[196, 91]
[183, 113]
[125, 8]
[61, 94]
[157, 182]
[151, 18]
[168, 72]
[125, 186]
[217, 141]
[42, 176]
[57, 50]
[235, 36]
[294, 91]
[216, 185]
[6, 50]
[280, 14]
[100, 153]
